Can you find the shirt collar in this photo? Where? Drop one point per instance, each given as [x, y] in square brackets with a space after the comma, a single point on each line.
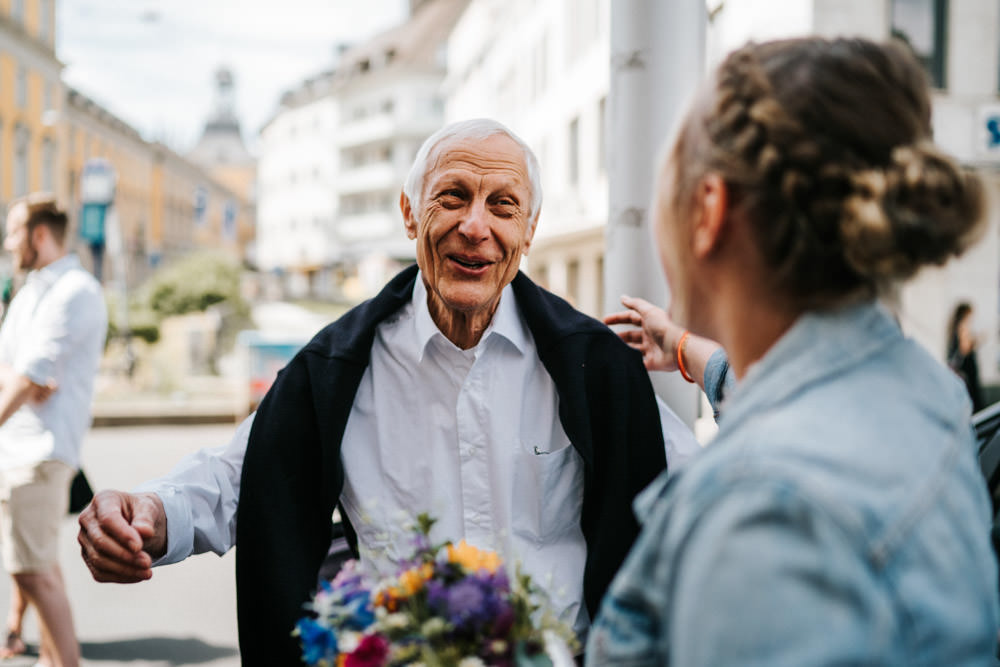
[506, 322]
[50, 273]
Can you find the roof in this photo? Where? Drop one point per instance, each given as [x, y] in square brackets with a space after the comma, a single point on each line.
[416, 42]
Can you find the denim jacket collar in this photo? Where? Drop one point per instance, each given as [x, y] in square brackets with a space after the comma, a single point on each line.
[819, 345]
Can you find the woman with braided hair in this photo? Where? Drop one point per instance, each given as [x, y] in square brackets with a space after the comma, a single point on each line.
[839, 517]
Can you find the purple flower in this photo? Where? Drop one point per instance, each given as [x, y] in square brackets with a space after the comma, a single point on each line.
[348, 578]
[466, 602]
[317, 641]
[503, 621]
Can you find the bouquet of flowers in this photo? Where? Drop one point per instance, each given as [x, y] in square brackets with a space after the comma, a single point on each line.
[450, 605]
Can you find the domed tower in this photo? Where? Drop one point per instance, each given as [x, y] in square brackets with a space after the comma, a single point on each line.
[222, 154]
[221, 142]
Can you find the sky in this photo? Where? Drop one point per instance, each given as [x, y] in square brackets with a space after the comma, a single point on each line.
[152, 62]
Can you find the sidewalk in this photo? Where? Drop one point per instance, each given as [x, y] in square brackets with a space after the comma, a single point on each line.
[205, 400]
[201, 399]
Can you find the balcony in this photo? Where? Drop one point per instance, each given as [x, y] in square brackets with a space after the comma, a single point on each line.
[379, 127]
[369, 178]
[367, 227]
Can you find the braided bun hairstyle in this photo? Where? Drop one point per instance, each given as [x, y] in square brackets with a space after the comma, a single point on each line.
[825, 147]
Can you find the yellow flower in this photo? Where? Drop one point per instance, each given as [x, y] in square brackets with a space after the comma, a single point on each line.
[411, 581]
[472, 558]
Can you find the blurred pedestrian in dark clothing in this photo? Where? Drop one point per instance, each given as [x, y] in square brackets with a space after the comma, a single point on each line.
[962, 344]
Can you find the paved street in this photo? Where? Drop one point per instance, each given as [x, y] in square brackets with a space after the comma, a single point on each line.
[185, 615]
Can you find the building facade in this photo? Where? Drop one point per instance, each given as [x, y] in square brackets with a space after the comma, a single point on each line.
[334, 157]
[164, 204]
[296, 185]
[30, 142]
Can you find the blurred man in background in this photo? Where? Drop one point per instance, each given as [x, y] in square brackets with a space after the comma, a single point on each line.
[50, 348]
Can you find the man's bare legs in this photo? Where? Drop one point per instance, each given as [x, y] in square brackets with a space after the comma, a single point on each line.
[47, 591]
[14, 643]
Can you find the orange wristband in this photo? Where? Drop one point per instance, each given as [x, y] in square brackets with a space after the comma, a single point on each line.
[680, 357]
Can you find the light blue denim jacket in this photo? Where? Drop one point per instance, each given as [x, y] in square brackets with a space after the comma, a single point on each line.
[839, 518]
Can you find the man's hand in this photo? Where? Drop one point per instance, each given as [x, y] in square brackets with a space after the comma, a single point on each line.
[656, 337]
[121, 534]
[41, 393]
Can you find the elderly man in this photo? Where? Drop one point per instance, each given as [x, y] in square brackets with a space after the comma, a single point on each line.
[462, 390]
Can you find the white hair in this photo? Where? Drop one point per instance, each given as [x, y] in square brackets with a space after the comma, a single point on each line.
[476, 128]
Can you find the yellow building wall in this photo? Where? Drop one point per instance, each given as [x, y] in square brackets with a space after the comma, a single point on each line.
[7, 116]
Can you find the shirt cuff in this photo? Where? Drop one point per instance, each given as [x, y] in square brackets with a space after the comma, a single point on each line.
[39, 371]
[180, 529]
[717, 379]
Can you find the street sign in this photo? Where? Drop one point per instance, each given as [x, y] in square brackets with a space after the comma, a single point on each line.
[200, 205]
[92, 223]
[97, 182]
[229, 220]
[988, 142]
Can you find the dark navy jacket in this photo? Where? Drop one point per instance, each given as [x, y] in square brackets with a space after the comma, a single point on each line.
[293, 476]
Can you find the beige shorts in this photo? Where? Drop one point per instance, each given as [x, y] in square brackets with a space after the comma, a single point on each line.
[33, 501]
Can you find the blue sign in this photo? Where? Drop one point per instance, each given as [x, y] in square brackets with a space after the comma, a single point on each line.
[993, 132]
[989, 131]
[92, 223]
[200, 205]
[229, 220]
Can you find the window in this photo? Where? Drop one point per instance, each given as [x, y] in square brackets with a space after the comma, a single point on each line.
[541, 65]
[922, 24]
[22, 139]
[17, 10]
[574, 151]
[573, 281]
[44, 20]
[600, 284]
[602, 135]
[583, 22]
[48, 165]
[21, 91]
[49, 101]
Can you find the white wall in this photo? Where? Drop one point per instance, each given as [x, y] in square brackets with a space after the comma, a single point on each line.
[296, 205]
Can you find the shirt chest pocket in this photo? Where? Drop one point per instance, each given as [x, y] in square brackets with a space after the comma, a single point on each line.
[548, 490]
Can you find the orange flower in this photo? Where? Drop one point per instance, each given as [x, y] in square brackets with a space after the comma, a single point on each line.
[473, 558]
[411, 581]
[387, 599]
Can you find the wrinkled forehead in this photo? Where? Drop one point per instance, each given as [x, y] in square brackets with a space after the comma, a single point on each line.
[496, 156]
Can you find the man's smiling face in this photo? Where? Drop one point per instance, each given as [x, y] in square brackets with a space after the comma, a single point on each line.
[473, 225]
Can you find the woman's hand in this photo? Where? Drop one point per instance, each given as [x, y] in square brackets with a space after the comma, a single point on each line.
[656, 337]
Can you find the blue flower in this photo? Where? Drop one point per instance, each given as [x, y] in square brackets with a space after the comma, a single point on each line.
[318, 642]
[360, 611]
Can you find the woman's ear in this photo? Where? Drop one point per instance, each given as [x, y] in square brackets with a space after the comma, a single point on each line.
[712, 206]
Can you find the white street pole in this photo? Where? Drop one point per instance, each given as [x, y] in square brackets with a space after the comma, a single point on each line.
[657, 60]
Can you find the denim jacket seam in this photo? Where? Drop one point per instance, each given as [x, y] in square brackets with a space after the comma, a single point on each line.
[883, 549]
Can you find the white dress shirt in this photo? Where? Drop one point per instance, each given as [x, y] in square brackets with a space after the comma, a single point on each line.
[471, 437]
[54, 332]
